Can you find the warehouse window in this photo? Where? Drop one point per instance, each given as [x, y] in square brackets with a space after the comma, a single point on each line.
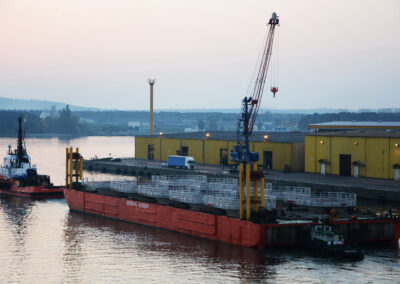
[150, 152]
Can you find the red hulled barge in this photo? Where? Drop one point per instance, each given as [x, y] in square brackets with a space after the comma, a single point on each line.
[217, 226]
[263, 229]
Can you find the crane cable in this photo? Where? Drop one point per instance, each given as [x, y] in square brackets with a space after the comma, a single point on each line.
[277, 60]
[256, 65]
[277, 68]
[274, 74]
[274, 77]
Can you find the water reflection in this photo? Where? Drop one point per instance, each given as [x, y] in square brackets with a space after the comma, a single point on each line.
[26, 241]
[16, 212]
[173, 251]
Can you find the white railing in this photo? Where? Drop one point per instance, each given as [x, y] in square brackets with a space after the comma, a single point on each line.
[303, 196]
[290, 194]
[196, 189]
[226, 196]
[223, 180]
[186, 193]
[332, 199]
[172, 179]
[232, 203]
[96, 183]
[222, 193]
[153, 190]
[127, 185]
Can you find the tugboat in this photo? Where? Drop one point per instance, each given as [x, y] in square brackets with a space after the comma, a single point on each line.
[19, 178]
[324, 240]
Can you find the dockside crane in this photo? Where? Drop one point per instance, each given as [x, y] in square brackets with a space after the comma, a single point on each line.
[241, 153]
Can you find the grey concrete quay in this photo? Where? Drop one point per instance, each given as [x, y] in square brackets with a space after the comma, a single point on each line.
[365, 188]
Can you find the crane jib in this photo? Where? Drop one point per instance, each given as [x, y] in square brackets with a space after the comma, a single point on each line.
[241, 152]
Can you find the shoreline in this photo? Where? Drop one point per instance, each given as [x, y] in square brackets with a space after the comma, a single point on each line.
[67, 136]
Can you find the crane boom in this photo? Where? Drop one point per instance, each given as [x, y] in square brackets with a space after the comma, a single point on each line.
[262, 73]
[241, 152]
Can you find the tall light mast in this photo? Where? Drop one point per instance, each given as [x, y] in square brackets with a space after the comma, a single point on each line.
[151, 83]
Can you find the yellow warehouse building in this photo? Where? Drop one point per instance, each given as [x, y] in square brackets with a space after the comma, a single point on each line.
[360, 153]
[276, 149]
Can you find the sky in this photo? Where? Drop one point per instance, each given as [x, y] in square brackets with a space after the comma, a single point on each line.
[100, 53]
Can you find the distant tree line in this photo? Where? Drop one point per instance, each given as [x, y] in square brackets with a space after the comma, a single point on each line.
[174, 121]
[9, 122]
[85, 123]
[64, 123]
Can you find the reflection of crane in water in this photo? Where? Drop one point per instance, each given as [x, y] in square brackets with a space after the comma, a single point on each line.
[140, 241]
[241, 152]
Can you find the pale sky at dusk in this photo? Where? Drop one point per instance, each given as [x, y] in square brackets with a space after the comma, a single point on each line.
[100, 53]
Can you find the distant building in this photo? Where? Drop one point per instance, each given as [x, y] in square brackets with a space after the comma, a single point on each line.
[193, 129]
[354, 125]
[52, 113]
[86, 120]
[134, 124]
[268, 125]
[145, 125]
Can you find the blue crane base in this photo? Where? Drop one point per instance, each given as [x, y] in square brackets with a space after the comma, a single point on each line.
[240, 155]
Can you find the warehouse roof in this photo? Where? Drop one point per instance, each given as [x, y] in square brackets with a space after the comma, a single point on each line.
[357, 124]
[283, 137]
[359, 133]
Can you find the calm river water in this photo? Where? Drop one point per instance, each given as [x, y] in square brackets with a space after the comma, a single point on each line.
[43, 242]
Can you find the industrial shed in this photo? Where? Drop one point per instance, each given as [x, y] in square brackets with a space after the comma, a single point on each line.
[276, 149]
[360, 153]
[354, 125]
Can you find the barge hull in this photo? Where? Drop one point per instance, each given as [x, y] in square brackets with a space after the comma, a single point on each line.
[215, 227]
[34, 192]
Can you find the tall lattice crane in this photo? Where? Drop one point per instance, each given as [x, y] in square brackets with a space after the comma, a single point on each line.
[241, 152]
[251, 105]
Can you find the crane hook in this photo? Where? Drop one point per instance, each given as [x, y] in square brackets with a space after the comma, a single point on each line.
[274, 90]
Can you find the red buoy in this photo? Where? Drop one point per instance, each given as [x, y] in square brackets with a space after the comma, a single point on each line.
[274, 90]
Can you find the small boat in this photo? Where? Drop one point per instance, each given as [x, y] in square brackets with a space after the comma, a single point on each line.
[19, 178]
[324, 240]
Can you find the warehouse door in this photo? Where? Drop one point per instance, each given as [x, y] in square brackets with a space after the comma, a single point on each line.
[150, 152]
[184, 151]
[345, 165]
[223, 156]
[267, 158]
